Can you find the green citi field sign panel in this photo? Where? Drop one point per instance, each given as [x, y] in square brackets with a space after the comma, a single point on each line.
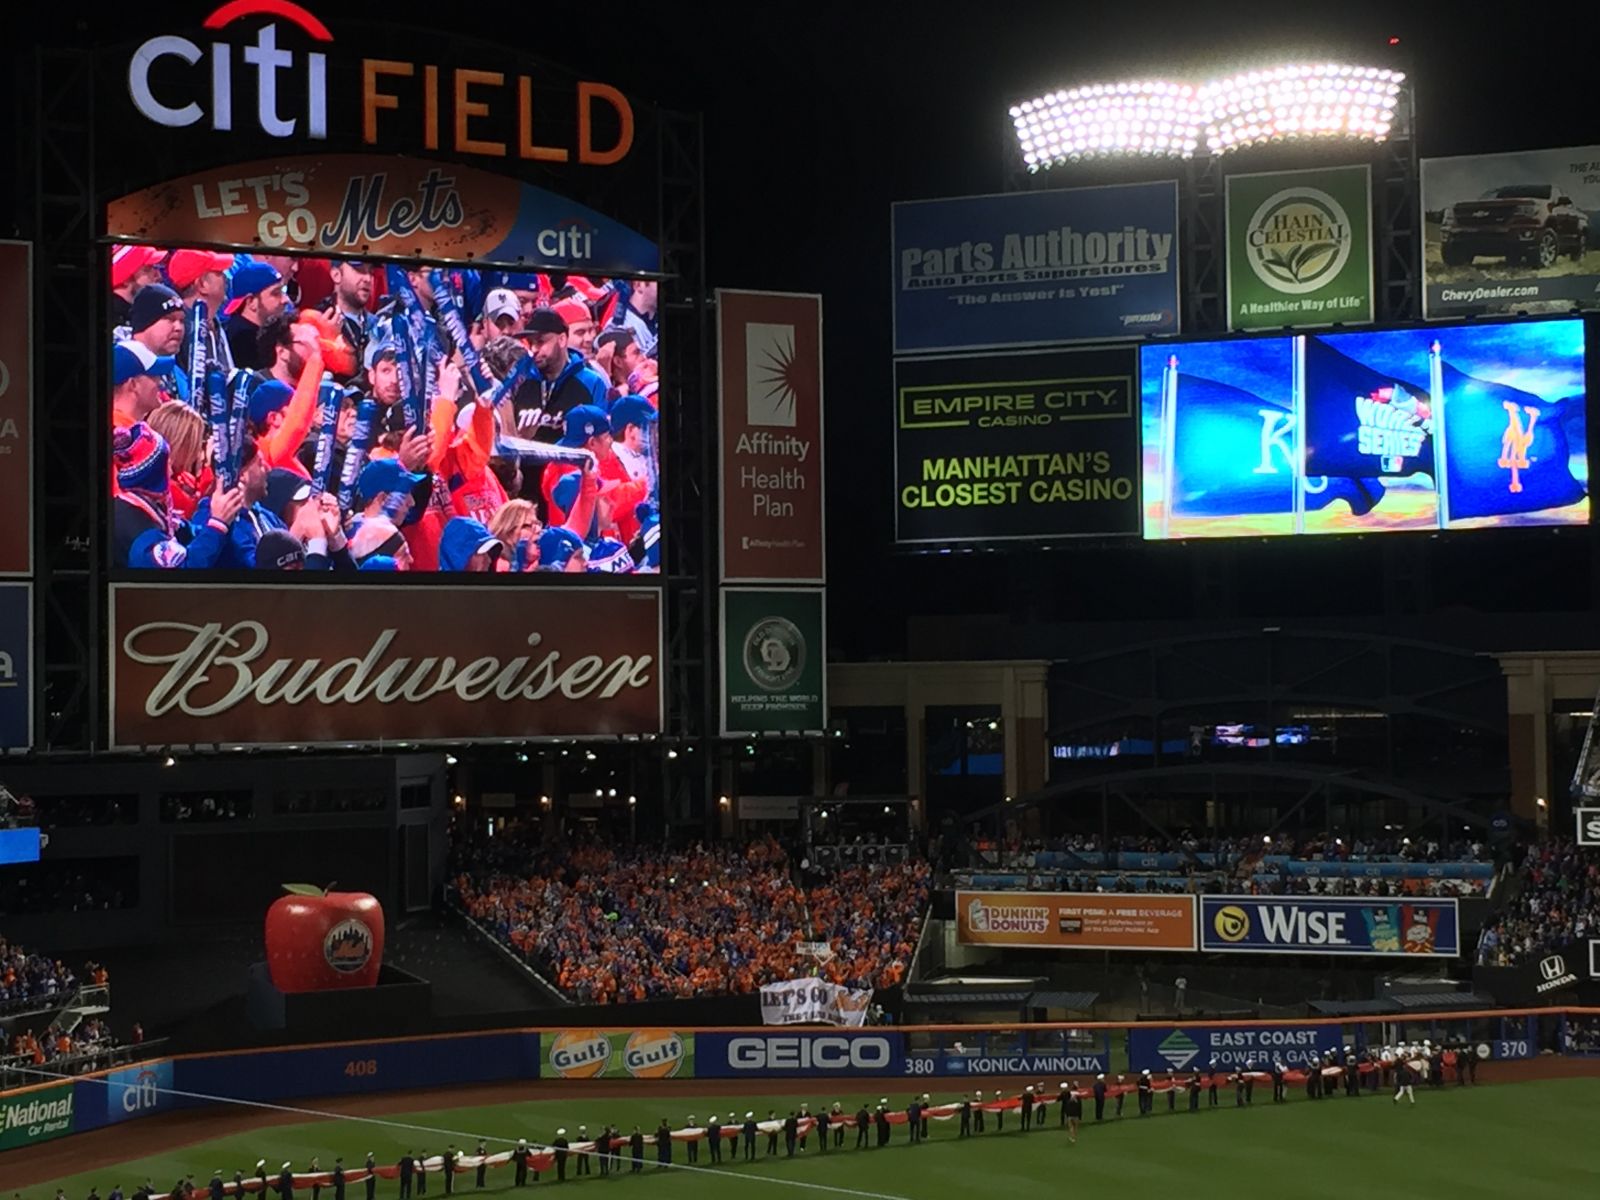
[773, 661]
[1300, 248]
[35, 1116]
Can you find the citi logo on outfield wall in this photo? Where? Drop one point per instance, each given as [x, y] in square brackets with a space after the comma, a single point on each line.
[177, 83]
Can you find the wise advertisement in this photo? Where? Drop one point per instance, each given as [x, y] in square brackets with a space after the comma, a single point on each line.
[16, 409]
[214, 665]
[1328, 925]
[774, 668]
[1200, 1047]
[37, 1115]
[16, 677]
[1035, 268]
[618, 1054]
[1300, 248]
[1075, 921]
[1451, 427]
[1516, 232]
[1016, 446]
[769, 389]
[351, 205]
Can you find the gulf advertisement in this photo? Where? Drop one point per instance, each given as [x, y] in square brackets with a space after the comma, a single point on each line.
[1199, 1047]
[1019, 446]
[16, 410]
[36, 1115]
[1300, 248]
[1417, 928]
[617, 1054]
[370, 205]
[261, 665]
[1035, 268]
[1074, 921]
[774, 661]
[758, 1055]
[16, 674]
[769, 393]
[1467, 426]
[1514, 232]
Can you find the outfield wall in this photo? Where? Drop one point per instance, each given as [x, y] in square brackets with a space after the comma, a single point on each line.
[53, 1109]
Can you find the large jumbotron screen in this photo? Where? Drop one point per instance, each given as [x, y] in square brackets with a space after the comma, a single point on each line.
[1447, 427]
[283, 412]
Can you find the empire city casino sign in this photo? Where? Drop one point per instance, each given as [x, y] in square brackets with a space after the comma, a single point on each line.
[177, 83]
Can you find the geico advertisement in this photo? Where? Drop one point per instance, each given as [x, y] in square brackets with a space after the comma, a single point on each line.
[752, 1055]
[1018, 445]
[1307, 925]
[139, 1091]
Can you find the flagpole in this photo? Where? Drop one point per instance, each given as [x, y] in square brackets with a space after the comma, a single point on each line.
[1441, 476]
[1298, 405]
[1169, 432]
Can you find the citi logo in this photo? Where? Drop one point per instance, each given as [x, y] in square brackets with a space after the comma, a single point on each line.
[142, 1094]
[264, 56]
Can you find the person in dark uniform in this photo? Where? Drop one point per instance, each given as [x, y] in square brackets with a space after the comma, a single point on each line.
[1147, 1093]
[863, 1119]
[999, 1114]
[314, 1170]
[214, 1187]
[422, 1173]
[1404, 1080]
[1352, 1073]
[607, 1147]
[791, 1133]
[519, 1163]
[839, 1122]
[824, 1122]
[692, 1144]
[451, 1154]
[406, 1167]
[560, 1146]
[914, 1120]
[1172, 1092]
[238, 1186]
[927, 1103]
[483, 1165]
[285, 1182]
[1250, 1081]
[714, 1138]
[805, 1125]
[1314, 1079]
[773, 1125]
[749, 1132]
[1099, 1097]
[1061, 1105]
[1122, 1093]
[1472, 1065]
[1074, 1111]
[1027, 1108]
[1436, 1067]
[966, 1118]
[1194, 1092]
[636, 1149]
[977, 1112]
[338, 1179]
[1238, 1088]
[580, 1158]
[1279, 1092]
[663, 1145]
[1211, 1084]
[883, 1123]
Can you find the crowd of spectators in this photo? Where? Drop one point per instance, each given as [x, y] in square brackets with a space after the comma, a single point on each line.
[29, 980]
[1556, 900]
[609, 923]
[1312, 847]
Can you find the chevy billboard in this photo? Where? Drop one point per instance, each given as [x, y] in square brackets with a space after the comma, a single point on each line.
[775, 1055]
[1197, 1047]
[1088, 264]
[1329, 925]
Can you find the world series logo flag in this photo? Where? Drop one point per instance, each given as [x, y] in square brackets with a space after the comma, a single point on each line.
[1364, 432]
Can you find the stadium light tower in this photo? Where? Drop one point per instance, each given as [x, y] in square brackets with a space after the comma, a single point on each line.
[1166, 119]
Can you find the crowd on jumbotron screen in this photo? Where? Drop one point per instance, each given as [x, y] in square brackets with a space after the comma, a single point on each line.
[283, 413]
[627, 923]
[1555, 901]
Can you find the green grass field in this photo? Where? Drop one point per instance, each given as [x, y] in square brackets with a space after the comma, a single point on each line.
[1526, 1139]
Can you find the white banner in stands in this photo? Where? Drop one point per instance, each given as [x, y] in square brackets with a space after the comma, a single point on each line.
[813, 1002]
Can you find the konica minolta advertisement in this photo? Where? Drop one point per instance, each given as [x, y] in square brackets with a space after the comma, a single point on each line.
[1036, 268]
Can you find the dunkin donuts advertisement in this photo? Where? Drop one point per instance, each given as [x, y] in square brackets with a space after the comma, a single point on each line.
[219, 665]
[617, 1054]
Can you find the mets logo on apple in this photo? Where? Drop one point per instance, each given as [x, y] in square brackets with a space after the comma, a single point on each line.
[348, 945]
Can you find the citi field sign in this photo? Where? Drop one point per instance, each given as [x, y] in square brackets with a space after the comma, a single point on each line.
[273, 69]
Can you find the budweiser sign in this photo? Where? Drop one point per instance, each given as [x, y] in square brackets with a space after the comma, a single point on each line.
[302, 665]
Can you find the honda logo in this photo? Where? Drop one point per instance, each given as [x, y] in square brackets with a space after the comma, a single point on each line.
[1553, 967]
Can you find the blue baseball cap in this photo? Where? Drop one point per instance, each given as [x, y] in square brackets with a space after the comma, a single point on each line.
[129, 360]
[610, 557]
[383, 475]
[557, 545]
[267, 399]
[631, 410]
[253, 277]
[584, 421]
[376, 349]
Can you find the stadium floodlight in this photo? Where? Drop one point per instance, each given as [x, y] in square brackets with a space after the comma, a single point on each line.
[1166, 119]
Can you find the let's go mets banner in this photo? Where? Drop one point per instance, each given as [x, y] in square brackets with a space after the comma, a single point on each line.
[1329, 925]
[1075, 921]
